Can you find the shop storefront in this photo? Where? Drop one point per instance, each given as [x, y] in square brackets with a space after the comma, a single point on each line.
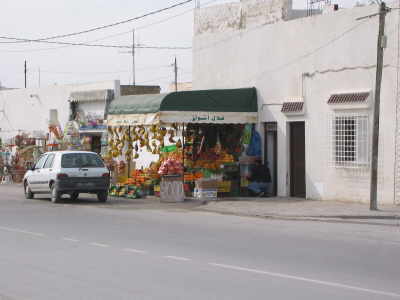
[18, 154]
[88, 110]
[199, 138]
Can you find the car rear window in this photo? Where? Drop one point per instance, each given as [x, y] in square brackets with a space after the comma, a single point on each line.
[81, 160]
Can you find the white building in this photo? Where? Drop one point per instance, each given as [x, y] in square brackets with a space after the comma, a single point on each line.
[31, 110]
[315, 78]
[28, 110]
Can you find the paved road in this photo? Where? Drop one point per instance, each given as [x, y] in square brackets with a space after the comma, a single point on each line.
[86, 251]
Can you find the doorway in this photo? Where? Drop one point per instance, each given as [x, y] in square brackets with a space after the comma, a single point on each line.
[297, 160]
[271, 154]
[96, 144]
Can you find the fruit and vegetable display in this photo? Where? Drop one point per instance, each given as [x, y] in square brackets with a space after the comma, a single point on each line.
[198, 151]
[211, 147]
[139, 183]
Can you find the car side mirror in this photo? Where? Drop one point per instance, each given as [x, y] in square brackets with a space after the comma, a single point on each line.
[32, 168]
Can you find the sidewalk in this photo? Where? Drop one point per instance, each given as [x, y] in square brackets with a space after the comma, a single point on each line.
[300, 209]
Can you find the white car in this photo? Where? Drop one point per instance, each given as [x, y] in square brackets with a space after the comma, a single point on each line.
[68, 172]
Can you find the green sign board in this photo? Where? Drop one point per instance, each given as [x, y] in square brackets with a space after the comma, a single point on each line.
[170, 148]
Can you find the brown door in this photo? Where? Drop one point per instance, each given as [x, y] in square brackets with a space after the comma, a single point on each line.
[271, 154]
[297, 160]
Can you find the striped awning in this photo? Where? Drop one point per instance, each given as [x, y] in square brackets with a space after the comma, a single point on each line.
[292, 107]
[348, 98]
[88, 96]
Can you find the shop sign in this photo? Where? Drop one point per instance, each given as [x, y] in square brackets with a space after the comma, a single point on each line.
[207, 118]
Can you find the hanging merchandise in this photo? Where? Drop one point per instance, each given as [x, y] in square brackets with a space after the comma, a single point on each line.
[247, 134]
[218, 146]
[104, 143]
[71, 136]
[86, 143]
[254, 148]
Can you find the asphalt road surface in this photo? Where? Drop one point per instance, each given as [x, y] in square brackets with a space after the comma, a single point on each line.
[82, 250]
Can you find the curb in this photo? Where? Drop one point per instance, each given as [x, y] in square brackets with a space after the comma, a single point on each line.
[326, 219]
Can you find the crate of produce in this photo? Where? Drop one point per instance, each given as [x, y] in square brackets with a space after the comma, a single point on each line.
[206, 194]
[224, 186]
[189, 177]
[207, 184]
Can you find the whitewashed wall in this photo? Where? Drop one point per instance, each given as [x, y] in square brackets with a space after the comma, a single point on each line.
[28, 109]
[339, 54]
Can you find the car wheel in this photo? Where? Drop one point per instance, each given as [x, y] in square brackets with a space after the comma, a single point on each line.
[28, 192]
[102, 196]
[55, 194]
[74, 196]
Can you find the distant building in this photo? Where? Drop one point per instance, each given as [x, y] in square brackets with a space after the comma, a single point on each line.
[182, 86]
[3, 88]
[28, 110]
[139, 89]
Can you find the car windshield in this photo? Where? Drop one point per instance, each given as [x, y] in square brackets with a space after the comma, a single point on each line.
[81, 160]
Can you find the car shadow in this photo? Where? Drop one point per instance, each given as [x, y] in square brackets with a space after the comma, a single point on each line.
[84, 200]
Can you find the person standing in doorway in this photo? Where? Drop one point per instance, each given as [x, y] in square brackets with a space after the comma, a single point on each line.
[260, 178]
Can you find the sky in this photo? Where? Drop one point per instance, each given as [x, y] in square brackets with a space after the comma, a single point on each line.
[60, 64]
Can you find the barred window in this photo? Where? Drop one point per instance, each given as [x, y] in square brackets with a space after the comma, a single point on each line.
[350, 136]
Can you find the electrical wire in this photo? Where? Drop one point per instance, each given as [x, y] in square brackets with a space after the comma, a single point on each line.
[64, 43]
[172, 17]
[163, 77]
[96, 45]
[308, 54]
[109, 25]
[109, 36]
[102, 72]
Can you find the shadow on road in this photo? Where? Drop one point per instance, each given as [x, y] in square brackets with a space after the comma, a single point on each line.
[122, 203]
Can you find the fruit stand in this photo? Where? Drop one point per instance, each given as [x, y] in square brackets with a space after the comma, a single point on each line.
[195, 138]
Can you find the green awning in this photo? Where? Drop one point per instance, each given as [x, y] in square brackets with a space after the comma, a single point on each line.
[136, 104]
[202, 106]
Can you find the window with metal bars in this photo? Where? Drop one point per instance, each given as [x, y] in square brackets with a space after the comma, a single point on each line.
[349, 143]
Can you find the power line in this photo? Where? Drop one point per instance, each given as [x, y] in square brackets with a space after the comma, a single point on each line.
[308, 54]
[109, 25]
[144, 68]
[163, 47]
[163, 77]
[96, 45]
[171, 17]
[112, 35]
[82, 73]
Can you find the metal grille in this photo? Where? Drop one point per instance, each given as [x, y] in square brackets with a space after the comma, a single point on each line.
[350, 141]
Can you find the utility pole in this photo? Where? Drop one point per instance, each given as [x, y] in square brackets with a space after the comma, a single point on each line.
[133, 58]
[375, 132]
[25, 72]
[132, 52]
[176, 74]
[39, 77]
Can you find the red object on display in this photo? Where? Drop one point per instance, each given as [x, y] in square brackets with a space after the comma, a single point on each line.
[171, 167]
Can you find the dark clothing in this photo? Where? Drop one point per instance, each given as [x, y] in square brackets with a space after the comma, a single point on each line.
[260, 173]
